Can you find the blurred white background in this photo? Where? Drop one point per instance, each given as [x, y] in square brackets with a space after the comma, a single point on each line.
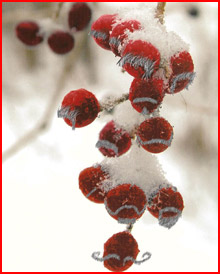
[48, 225]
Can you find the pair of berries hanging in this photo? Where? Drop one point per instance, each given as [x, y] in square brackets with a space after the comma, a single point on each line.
[160, 64]
[154, 135]
[59, 38]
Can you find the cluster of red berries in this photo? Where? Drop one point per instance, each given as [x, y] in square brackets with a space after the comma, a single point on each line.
[142, 60]
[60, 41]
[126, 202]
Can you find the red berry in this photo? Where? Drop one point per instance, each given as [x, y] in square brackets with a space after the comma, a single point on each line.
[182, 72]
[146, 95]
[90, 183]
[155, 134]
[120, 33]
[79, 108]
[28, 33]
[166, 205]
[126, 203]
[113, 141]
[79, 16]
[61, 42]
[120, 246]
[100, 30]
[120, 252]
[121, 249]
[140, 59]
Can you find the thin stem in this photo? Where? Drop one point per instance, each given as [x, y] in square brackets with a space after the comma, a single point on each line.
[130, 227]
[58, 10]
[160, 11]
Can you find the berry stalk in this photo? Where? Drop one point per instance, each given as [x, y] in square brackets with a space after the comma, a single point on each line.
[108, 105]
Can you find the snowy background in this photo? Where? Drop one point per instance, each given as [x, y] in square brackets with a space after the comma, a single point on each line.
[48, 225]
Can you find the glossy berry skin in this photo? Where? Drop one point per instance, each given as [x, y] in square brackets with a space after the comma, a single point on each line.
[140, 59]
[155, 134]
[28, 33]
[166, 205]
[113, 141]
[101, 28]
[61, 42]
[126, 203]
[90, 183]
[120, 33]
[79, 16]
[124, 246]
[79, 108]
[182, 72]
[146, 95]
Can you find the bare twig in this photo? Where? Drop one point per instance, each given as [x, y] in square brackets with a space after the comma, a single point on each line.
[46, 118]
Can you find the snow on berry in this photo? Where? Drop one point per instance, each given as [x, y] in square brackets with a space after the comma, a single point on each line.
[166, 204]
[113, 141]
[120, 252]
[101, 28]
[61, 42]
[136, 167]
[146, 95]
[28, 33]
[126, 203]
[79, 16]
[182, 72]
[120, 33]
[140, 59]
[155, 134]
[91, 180]
[167, 43]
[126, 117]
[79, 108]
